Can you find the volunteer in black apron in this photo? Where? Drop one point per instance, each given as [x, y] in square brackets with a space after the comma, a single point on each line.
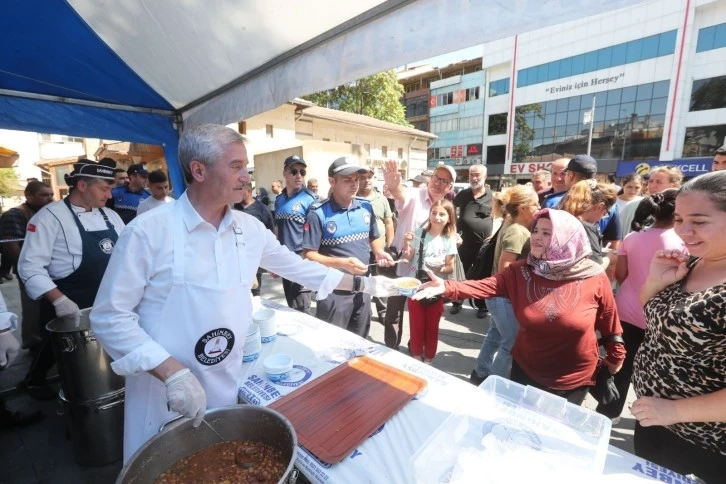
[67, 247]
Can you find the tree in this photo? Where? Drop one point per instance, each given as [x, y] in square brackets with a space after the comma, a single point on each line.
[8, 182]
[523, 132]
[378, 96]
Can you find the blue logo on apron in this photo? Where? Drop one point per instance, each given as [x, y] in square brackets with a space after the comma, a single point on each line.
[214, 346]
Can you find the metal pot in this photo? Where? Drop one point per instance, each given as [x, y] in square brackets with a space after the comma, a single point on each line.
[179, 439]
[83, 365]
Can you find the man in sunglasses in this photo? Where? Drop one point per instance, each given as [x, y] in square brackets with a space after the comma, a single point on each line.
[291, 210]
[413, 206]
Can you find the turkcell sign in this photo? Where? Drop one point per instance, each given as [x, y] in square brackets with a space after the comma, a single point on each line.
[690, 167]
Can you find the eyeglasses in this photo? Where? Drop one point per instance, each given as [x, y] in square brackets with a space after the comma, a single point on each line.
[440, 181]
[295, 171]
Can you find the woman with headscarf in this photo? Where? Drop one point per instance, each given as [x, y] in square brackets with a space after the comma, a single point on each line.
[560, 297]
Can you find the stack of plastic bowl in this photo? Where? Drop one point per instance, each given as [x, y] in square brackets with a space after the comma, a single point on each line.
[267, 321]
[253, 343]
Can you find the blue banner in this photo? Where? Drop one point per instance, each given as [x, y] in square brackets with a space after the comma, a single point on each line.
[689, 166]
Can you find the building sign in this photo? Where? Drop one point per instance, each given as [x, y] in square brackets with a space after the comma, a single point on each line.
[457, 151]
[474, 150]
[593, 81]
[688, 166]
[528, 168]
[432, 101]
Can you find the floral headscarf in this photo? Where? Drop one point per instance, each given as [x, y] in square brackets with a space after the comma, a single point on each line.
[567, 256]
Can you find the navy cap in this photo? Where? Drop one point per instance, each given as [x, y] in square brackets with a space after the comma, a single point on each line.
[345, 167]
[87, 168]
[137, 169]
[583, 164]
[293, 160]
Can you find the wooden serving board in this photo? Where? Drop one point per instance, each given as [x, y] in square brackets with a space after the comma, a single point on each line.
[335, 413]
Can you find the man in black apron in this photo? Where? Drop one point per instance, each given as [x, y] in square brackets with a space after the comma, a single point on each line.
[67, 248]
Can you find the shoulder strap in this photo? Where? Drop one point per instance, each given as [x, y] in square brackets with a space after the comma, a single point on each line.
[421, 249]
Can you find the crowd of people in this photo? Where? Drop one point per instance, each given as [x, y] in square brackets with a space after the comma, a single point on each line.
[557, 248]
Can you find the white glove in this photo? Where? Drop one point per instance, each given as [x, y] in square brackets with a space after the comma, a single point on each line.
[65, 308]
[9, 348]
[379, 286]
[185, 395]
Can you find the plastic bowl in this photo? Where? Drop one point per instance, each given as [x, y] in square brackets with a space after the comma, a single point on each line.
[267, 320]
[277, 367]
[407, 286]
[435, 262]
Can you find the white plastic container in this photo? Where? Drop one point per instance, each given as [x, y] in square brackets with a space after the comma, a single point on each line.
[277, 367]
[267, 320]
[253, 343]
[515, 433]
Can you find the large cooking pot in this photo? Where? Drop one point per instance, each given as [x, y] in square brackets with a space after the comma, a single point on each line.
[83, 365]
[179, 439]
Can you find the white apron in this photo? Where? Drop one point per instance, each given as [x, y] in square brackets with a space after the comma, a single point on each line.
[204, 329]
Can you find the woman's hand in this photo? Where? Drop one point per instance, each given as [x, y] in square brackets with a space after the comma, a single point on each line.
[430, 289]
[666, 268]
[651, 411]
[409, 236]
[613, 367]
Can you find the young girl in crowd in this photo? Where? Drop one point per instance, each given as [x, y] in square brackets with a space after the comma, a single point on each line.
[680, 369]
[438, 238]
[660, 178]
[631, 270]
[632, 186]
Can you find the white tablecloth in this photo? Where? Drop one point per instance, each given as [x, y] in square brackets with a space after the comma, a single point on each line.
[387, 456]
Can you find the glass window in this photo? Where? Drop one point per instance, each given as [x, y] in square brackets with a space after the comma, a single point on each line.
[553, 70]
[591, 61]
[614, 96]
[496, 154]
[571, 130]
[561, 119]
[586, 101]
[719, 38]
[645, 91]
[538, 122]
[635, 51]
[599, 113]
[667, 43]
[578, 64]
[708, 94]
[659, 105]
[703, 140]
[566, 67]
[549, 120]
[629, 94]
[562, 105]
[522, 77]
[542, 73]
[612, 112]
[497, 124]
[619, 54]
[650, 47]
[626, 109]
[660, 89]
[642, 107]
[573, 103]
[550, 107]
[705, 39]
[600, 99]
[604, 58]
[657, 121]
[573, 117]
[538, 133]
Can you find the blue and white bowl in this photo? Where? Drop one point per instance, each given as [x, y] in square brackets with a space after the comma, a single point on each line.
[267, 321]
[407, 286]
[253, 344]
[277, 367]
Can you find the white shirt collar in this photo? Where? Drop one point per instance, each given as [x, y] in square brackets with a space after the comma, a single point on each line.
[192, 219]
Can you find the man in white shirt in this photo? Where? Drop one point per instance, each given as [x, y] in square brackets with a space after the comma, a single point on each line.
[177, 329]
[67, 246]
[159, 188]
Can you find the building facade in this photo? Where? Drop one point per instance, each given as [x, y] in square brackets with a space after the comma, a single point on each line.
[655, 74]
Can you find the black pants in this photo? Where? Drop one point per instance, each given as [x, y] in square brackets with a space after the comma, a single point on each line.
[348, 310]
[468, 257]
[298, 297]
[393, 322]
[633, 337]
[665, 448]
[44, 359]
[576, 395]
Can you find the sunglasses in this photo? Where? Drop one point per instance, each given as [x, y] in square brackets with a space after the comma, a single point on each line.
[295, 171]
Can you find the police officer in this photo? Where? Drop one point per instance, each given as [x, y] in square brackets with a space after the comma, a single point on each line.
[339, 233]
[291, 209]
[125, 199]
[67, 246]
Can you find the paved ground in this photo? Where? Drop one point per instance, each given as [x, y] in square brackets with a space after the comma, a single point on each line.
[42, 454]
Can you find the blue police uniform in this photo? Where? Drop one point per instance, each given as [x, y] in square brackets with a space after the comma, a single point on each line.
[335, 231]
[553, 200]
[125, 202]
[290, 215]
